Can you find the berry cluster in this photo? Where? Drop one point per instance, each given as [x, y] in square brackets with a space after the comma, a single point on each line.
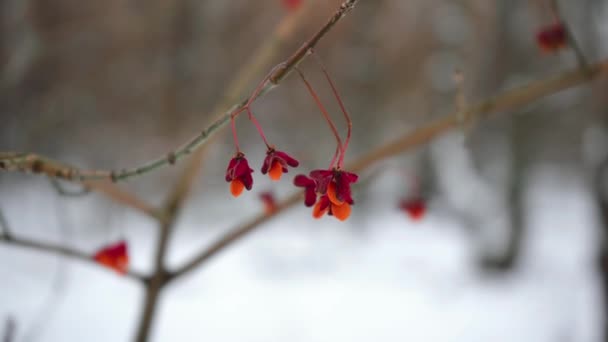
[327, 190]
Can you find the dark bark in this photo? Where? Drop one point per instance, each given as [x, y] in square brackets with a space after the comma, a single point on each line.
[152, 295]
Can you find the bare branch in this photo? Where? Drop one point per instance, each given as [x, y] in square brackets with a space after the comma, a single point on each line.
[508, 100]
[112, 191]
[262, 57]
[234, 235]
[59, 250]
[578, 52]
[30, 162]
[116, 194]
[63, 191]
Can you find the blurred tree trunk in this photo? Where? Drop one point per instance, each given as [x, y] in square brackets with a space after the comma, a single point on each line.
[498, 62]
[601, 179]
[515, 201]
[179, 21]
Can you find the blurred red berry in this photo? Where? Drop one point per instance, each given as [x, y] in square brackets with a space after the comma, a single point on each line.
[238, 175]
[552, 38]
[115, 256]
[270, 203]
[291, 5]
[414, 207]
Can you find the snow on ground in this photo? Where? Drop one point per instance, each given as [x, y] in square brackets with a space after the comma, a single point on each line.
[303, 280]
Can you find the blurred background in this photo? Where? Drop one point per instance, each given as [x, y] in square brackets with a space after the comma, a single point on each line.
[512, 244]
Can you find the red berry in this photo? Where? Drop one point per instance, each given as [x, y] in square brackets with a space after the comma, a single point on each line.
[552, 38]
[270, 203]
[414, 207]
[291, 5]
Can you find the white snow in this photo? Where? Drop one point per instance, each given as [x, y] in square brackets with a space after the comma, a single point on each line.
[298, 279]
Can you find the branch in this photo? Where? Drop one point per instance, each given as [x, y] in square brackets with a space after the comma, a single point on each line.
[65, 192]
[508, 100]
[182, 188]
[30, 162]
[233, 236]
[578, 52]
[111, 191]
[115, 193]
[246, 75]
[157, 281]
[10, 239]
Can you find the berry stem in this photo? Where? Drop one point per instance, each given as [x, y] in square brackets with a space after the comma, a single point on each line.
[340, 148]
[247, 107]
[257, 126]
[234, 135]
[335, 158]
[334, 89]
[572, 42]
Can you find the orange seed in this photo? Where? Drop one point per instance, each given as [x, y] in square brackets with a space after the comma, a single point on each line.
[341, 212]
[331, 193]
[236, 187]
[276, 171]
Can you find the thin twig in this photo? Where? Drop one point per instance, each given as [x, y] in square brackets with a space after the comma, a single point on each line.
[61, 190]
[508, 100]
[46, 247]
[234, 235]
[331, 124]
[578, 52]
[7, 237]
[111, 191]
[30, 162]
[172, 208]
[119, 195]
[334, 89]
[174, 202]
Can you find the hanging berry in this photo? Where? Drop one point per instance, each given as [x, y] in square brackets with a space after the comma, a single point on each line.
[238, 174]
[114, 256]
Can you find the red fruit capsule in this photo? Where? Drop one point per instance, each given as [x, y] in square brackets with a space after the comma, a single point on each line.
[270, 203]
[414, 207]
[114, 256]
[238, 174]
[276, 163]
[333, 188]
[552, 38]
